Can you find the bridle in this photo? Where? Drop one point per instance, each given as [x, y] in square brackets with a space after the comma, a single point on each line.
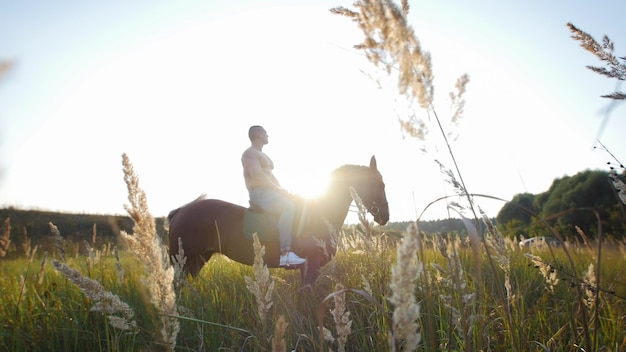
[374, 207]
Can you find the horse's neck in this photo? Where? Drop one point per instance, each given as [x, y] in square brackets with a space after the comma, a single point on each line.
[336, 207]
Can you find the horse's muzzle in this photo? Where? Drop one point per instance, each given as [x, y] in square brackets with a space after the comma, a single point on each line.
[381, 216]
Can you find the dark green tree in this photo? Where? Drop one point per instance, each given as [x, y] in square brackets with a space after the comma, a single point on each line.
[570, 201]
[576, 200]
[520, 208]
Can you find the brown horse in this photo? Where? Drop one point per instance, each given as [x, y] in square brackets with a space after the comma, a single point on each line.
[208, 226]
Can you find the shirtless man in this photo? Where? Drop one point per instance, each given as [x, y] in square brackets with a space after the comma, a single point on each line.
[266, 192]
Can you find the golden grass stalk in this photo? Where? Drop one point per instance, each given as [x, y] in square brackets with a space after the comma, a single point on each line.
[26, 243]
[147, 247]
[178, 263]
[391, 43]
[361, 210]
[327, 335]
[42, 267]
[58, 241]
[118, 266]
[590, 286]
[102, 301]
[404, 274]
[614, 68]
[366, 232]
[341, 317]
[461, 300]
[93, 255]
[5, 238]
[548, 271]
[278, 341]
[502, 256]
[367, 286]
[22, 283]
[262, 286]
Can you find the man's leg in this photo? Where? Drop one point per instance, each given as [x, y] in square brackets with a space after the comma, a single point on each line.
[277, 203]
[285, 225]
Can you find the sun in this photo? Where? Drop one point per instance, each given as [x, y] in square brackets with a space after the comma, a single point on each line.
[309, 187]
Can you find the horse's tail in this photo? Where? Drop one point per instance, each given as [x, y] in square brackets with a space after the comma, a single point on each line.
[172, 213]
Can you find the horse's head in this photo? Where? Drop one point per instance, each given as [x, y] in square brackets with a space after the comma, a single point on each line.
[371, 189]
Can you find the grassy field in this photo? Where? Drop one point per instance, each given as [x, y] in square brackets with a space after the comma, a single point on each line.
[379, 293]
[466, 302]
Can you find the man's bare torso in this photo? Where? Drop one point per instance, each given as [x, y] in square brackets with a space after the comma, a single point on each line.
[257, 169]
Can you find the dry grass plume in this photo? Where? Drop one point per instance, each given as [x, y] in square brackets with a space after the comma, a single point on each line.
[147, 247]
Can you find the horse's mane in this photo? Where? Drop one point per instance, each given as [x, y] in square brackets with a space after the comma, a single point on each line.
[345, 171]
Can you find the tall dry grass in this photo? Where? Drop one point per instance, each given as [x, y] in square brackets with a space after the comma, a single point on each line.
[148, 248]
[614, 67]
[403, 284]
[5, 238]
[119, 314]
[356, 286]
[391, 44]
[262, 285]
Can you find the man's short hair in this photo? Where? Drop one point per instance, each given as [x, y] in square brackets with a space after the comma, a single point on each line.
[254, 130]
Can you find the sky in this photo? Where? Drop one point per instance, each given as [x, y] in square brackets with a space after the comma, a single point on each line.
[176, 85]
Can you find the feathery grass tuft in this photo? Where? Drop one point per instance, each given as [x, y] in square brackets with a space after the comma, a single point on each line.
[614, 68]
[262, 286]
[278, 341]
[102, 301]
[58, 241]
[341, 317]
[118, 266]
[403, 277]
[5, 238]
[42, 267]
[178, 263]
[147, 247]
[548, 271]
[26, 243]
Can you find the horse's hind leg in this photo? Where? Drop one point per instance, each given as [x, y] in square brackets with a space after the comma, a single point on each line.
[194, 264]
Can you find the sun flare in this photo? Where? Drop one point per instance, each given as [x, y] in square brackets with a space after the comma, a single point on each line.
[309, 187]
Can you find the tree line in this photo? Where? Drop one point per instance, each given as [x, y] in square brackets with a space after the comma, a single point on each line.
[27, 228]
[586, 201]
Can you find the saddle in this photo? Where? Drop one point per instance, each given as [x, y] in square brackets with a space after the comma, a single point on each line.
[265, 225]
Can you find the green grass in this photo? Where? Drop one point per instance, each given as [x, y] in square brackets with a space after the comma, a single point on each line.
[219, 312]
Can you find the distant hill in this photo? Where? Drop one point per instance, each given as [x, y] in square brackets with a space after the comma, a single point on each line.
[73, 227]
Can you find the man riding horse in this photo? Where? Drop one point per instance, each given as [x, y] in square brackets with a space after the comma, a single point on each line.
[265, 192]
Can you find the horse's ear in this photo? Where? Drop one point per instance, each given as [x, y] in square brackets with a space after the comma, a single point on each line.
[373, 163]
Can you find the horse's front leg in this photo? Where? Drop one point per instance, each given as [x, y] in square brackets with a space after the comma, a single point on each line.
[310, 270]
[316, 257]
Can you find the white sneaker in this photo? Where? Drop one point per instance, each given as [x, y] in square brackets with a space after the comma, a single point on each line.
[291, 258]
